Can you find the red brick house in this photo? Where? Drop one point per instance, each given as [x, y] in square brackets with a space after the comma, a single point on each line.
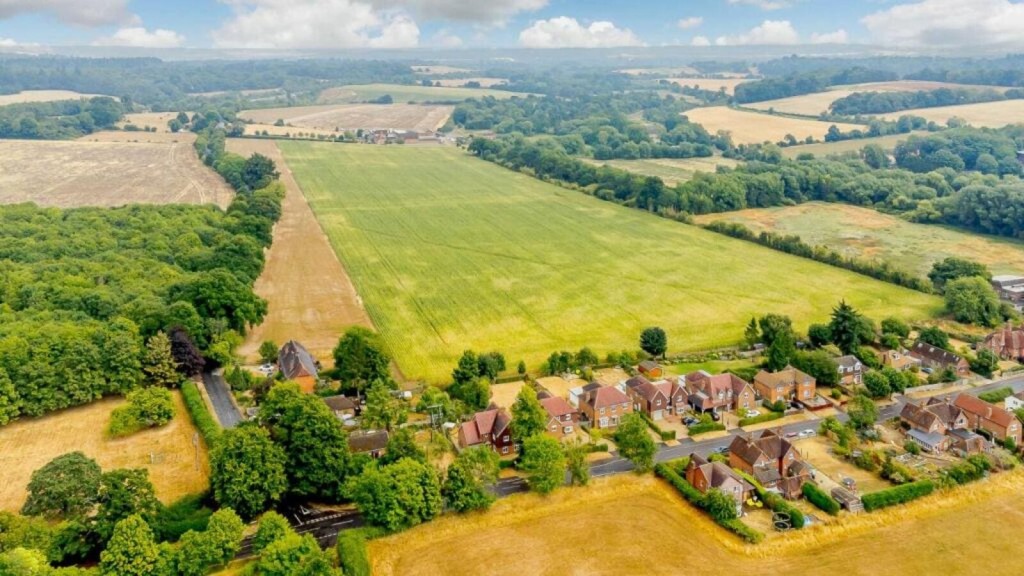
[774, 461]
[1007, 343]
[562, 417]
[605, 406]
[651, 398]
[981, 415]
[492, 427]
[721, 392]
[298, 365]
[933, 417]
[938, 359]
[786, 385]
[705, 475]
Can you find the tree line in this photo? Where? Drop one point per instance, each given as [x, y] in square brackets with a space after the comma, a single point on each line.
[885, 102]
[797, 84]
[59, 120]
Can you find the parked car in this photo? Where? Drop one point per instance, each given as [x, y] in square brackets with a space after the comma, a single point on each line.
[806, 433]
[267, 368]
[715, 416]
[791, 434]
[722, 450]
[689, 421]
[753, 413]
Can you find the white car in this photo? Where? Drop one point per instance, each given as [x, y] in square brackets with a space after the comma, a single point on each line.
[806, 433]
[753, 413]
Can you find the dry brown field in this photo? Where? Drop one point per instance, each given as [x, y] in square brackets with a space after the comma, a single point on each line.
[754, 127]
[984, 115]
[286, 131]
[713, 84]
[353, 116]
[460, 82]
[805, 105]
[43, 96]
[309, 295]
[157, 120]
[140, 137]
[913, 85]
[107, 173]
[596, 530]
[167, 452]
[670, 170]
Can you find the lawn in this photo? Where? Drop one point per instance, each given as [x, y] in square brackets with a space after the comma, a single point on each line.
[411, 94]
[867, 233]
[449, 252]
[711, 366]
[167, 452]
[593, 531]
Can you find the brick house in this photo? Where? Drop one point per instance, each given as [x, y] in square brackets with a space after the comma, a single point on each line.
[492, 427]
[605, 406]
[967, 442]
[1006, 344]
[786, 385]
[981, 415]
[651, 398]
[933, 417]
[562, 417]
[298, 365]
[1014, 402]
[936, 358]
[704, 475]
[900, 360]
[851, 370]
[774, 461]
[719, 392]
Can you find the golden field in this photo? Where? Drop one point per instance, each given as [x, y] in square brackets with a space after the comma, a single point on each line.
[754, 127]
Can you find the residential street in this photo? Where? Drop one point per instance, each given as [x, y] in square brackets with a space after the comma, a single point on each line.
[220, 397]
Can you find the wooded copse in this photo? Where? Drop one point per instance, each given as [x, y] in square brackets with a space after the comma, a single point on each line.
[83, 289]
[885, 102]
[60, 120]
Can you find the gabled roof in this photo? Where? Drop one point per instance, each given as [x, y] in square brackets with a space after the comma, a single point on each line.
[295, 361]
[918, 416]
[557, 407]
[788, 376]
[493, 421]
[769, 445]
[339, 403]
[648, 365]
[848, 362]
[636, 381]
[982, 409]
[368, 441]
[717, 473]
[946, 412]
[604, 397]
[935, 354]
[1008, 341]
[650, 391]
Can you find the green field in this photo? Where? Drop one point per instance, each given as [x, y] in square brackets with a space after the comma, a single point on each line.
[824, 149]
[449, 252]
[408, 94]
[670, 170]
[867, 233]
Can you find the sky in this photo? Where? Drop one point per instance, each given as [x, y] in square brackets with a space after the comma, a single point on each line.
[939, 26]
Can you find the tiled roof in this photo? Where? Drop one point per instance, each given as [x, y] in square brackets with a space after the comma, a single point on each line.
[605, 397]
[295, 361]
[557, 407]
[935, 354]
[918, 416]
[788, 376]
[368, 441]
[339, 403]
[982, 409]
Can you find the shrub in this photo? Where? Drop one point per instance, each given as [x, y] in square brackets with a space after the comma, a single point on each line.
[766, 417]
[775, 502]
[146, 408]
[123, 423]
[815, 495]
[200, 414]
[897, 495]
[996, 396]
[187, 513]
[705, 425]
[974, 468]
[912, 447]
[352, 556]
[597, 447]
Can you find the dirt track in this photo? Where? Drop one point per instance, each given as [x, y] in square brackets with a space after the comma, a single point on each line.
[311, 298]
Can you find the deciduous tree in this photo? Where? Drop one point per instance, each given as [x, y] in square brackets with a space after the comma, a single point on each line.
[66, 487]
[634, 443]
[131, 550]
[398, 495]
[971, 300]
[361, 358]
[272, 527]
[576, 458]
[124, 492]
[862, 411]
[543, 462]
[470, 479]
[383, 410]
[247, 470]
[159, 365]
[528, 416]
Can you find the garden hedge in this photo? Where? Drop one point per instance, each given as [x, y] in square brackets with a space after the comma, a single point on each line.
[766, 417]
[703, 427]
[352, 554]
[815, 495]
[200, 414]
[897, 495]
[693, 496]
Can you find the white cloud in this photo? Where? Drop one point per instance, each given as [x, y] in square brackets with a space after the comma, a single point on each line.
[77, 12]
[769, 32]
[838, 37]
[565, 32]
[266, 24]
[700, 41]
[139, 37]
[690, 22]
[8, 42]
[949, 23]
[476, 11]
[764, 4]
[446, 39]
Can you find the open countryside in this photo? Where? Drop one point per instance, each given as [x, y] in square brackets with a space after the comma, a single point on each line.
[822, 149]
[867, 233]
[355, 116]
[713, 84]
[754, 128]
[929, 534]
[410, 94]
[981, 115]
[450, 253]
[671, 170]
[157, 173]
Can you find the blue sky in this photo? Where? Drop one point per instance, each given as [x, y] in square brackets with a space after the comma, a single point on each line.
[268, 24]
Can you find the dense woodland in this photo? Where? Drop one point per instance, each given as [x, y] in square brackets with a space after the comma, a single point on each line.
[59, 120]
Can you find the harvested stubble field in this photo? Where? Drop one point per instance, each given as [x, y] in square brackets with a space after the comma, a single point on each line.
[157, 120]
[867, 233]
[309, 296]
[713, 84]
[407, 93]
[450, 252]
[753, 127]
[353, 116]
[28, 444]
[984, 115]
[107, 174]
[593, 530]
[670, 170]
[27, 96]
[914, 86]
[825, 148]
[805, 105]
[439, 69]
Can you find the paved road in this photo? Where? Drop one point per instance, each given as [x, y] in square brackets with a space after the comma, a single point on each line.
[326, 525]
[220, 397]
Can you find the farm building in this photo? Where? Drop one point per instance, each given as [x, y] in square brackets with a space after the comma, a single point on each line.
[297, 364]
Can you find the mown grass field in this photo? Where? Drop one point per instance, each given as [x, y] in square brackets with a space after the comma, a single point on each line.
[825, 148]
[598, 530]
[866, 233]
[407, 94]
[670, 170]
[449, 252]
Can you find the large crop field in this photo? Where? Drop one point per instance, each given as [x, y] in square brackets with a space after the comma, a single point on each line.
[754, 127]
[449, 252]
[107, 173]
[167, 452]
[670, 170]
[407, 94]
[713, 84]
[639, 525]
[867, 233]
[823, 149]
[354, 116]
[984, 115]
[27, 96]
[804, 105]
[309, 296]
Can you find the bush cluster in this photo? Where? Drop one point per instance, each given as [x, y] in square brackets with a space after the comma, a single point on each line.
[693, 496]
[766, 417]
[200, 414]
[815, 495]
[897, 495]
[351, 547]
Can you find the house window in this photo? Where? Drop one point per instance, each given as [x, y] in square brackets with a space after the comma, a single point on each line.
[504, 450]
[657, 403]
[602, 410]
[506, 438]
[778, 388]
